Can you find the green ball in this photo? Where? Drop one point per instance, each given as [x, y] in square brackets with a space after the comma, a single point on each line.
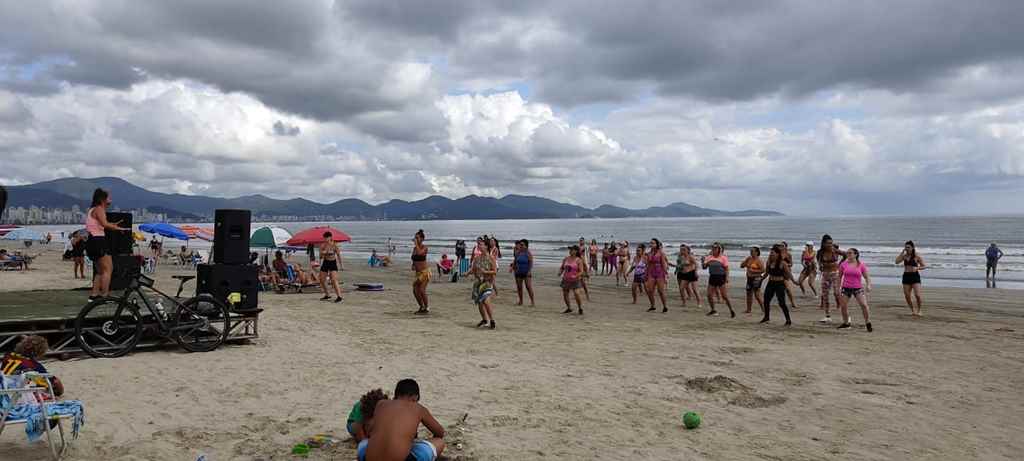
[691, 420]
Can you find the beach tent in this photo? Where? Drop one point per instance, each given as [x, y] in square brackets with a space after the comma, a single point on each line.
[164, 230]
[25, 234]
[315, 235]
[269, 237]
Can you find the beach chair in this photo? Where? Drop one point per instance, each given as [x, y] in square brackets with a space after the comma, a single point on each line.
[20, 406]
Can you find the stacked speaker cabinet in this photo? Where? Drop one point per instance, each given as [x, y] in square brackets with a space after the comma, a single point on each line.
[119, 242]
[230, 271]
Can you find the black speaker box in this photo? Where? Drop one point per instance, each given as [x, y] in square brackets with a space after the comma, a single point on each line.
[220, 280]
[125, 267]
[119, 242]
[231, 236]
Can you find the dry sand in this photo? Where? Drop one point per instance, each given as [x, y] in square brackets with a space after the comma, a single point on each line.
[612, 384]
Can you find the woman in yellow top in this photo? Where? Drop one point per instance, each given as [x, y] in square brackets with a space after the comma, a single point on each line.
[755, 276]
[422, 270]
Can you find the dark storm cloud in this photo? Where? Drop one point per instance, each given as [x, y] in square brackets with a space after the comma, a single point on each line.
[281, 129]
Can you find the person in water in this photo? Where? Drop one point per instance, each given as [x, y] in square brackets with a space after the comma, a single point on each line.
[828, 263]
[778, 273]
[639, 271]
[855, 282]
[422, 271]
[810, 269]
[657, 271]
[913, 264]
[362, 413]
[755, 277]
[717, 264]
[392, 432]
[686, 274]
[992, 256]
[484, 269]
[571, 270]
[330, 264]
[522, 268]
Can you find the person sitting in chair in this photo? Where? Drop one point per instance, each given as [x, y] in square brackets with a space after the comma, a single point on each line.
[25, 358]
[11, 260]
[445, 266]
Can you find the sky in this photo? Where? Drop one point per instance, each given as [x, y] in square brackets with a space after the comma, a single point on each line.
[806, 107]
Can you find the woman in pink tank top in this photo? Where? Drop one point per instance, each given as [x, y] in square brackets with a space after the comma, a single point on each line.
[855, 282]
[96, 247]
[573, 269]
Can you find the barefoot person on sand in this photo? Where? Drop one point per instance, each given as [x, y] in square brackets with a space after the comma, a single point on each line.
[810, 269]
[584, 281]
[485, 267]
[913, 264]
[657, 270]
[571, 270]
[717, 264]
[852, 272]
[522, 268]
[755, 276]
[422, 271]
[392, 432]
[828, 263]
[330, 264]
[622, 256]
[593, 253]
[686, 274]
[96, 247]
[639, 271]
[788, 259]
[778, 271]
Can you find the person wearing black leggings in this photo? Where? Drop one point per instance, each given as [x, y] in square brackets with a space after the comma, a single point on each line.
[778, 273]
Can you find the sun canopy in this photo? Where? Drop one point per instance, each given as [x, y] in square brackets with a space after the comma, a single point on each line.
[24, 234]
[196, 232]
[164, 230]
[315, 235]
[269, 237]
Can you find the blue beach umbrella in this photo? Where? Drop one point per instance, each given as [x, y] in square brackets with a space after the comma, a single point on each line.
[164, 230]
[24, 234]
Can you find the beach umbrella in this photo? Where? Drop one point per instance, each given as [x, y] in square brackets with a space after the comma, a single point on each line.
[24, 234]
[196, 232]
[315, 235]
[268, 237]
[164, 230]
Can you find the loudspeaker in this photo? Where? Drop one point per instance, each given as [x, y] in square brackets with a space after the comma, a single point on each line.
[231, 236]
[125, 267]
[220, 280]
[119, 242]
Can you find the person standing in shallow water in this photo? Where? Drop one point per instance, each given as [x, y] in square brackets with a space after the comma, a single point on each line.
[992, 256]
[422, 270]
[913, 264]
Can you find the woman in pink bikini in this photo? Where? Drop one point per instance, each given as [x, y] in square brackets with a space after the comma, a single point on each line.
[571, 271]
[657, 269]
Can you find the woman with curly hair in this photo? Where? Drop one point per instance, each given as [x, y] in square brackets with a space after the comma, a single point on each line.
[25, 358]
[485, 267]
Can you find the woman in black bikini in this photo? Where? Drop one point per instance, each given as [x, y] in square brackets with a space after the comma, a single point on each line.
[686, 274]
[329, 266]
[419, 266]
[912, 265]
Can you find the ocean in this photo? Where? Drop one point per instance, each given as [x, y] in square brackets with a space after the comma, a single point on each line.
[953, 247]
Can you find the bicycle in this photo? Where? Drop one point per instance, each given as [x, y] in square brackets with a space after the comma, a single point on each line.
[112, 326]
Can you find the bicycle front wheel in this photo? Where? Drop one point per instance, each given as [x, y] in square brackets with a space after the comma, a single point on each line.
[108, 327]
[201, 324]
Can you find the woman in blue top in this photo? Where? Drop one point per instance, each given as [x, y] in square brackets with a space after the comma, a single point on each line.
[522, 265]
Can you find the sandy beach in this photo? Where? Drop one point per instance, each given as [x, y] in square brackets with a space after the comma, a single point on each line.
[612, 384]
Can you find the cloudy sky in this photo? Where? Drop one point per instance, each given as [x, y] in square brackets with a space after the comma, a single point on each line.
[909, 107]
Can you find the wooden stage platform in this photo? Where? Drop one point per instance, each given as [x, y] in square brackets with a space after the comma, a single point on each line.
[52, 313]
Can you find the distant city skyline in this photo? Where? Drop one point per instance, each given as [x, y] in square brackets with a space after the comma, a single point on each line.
[801, 107]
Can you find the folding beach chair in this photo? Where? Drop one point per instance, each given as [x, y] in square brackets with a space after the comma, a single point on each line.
[20, 406]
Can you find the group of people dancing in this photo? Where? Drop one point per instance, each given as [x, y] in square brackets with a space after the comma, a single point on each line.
[645, 270]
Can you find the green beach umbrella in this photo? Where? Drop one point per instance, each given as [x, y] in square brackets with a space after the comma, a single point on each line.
[268, 237]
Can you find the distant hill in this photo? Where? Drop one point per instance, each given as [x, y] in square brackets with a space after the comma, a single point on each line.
[67, 192]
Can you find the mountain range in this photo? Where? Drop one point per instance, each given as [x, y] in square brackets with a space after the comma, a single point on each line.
[67, 192]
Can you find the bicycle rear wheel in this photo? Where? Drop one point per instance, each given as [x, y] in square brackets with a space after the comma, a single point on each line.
[108, 327]
[201, 324]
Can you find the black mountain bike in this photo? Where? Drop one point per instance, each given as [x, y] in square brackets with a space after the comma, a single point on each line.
[112, 326]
